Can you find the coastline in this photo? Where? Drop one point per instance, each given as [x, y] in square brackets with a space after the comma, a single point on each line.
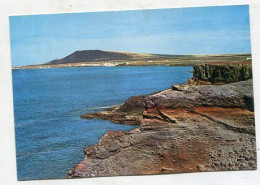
[202, 125]
[160, 60]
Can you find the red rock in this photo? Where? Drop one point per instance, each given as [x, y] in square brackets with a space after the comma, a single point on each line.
[199, 128]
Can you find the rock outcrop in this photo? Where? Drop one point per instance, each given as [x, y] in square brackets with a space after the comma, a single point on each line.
[235, 95]
[130, 112]
[187, 128]
[219, 73]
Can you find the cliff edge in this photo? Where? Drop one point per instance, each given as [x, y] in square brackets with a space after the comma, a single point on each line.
[221, 73]
[186, 128]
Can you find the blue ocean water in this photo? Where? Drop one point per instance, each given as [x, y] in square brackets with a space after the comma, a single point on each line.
[50, 136]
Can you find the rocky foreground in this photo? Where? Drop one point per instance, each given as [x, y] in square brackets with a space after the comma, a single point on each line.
[187, 128]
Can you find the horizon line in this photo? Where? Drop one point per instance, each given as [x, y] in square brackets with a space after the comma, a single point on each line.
[194, 54]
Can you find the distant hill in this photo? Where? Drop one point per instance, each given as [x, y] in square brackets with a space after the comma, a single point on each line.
[99, 58]
[97, 55]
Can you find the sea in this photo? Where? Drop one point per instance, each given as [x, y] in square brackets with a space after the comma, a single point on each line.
[48, 103]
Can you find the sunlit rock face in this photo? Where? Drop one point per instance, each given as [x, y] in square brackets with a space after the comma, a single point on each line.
[192, 127]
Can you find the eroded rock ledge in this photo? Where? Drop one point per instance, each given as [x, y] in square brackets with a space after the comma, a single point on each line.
[187, 129]
[130, 112]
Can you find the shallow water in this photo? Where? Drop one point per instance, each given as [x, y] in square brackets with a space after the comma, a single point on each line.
[50, 136]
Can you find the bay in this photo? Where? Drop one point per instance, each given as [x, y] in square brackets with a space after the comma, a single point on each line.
[50, 136]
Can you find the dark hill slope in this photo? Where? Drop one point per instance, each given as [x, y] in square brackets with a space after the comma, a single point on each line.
[91, 56]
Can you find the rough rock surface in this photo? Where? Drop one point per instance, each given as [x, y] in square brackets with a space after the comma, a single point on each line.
[188, 129]
[238, 94]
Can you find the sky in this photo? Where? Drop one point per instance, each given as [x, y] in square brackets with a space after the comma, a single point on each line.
[37, 39]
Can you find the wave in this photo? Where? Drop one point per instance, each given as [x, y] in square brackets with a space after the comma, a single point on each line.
[103, 107]
[90, 109]
[24, 123]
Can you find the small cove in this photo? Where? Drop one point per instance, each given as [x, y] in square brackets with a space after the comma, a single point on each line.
[50, 136]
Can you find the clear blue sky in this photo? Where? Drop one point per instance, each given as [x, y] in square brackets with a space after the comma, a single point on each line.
[38, 39]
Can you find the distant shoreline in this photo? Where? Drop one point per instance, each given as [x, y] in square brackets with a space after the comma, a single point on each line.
[159, 60]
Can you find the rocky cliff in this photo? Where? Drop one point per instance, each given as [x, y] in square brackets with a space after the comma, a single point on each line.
[186, 128]
[222, 72]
